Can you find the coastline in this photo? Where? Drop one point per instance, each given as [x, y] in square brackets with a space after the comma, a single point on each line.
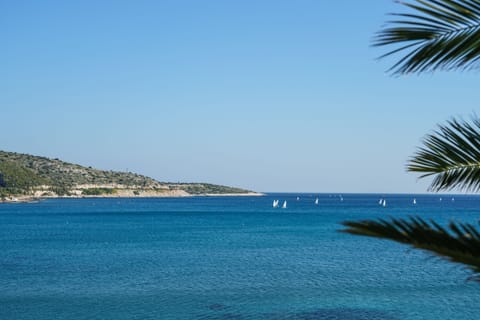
[169, 194]
[247, 194]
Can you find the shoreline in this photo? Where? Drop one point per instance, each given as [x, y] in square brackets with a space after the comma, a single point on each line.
[30, 199]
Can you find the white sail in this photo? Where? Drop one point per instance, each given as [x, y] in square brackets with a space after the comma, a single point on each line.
[384, 203]
[316, 201]
[284, 206]
[414, 201]
[275, 203]
[380, 201]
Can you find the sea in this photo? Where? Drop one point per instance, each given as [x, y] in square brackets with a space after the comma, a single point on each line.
[228, 258]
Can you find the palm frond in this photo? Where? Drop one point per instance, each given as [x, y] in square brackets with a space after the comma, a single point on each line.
[439, 34]
[452, 155]
[460, 244]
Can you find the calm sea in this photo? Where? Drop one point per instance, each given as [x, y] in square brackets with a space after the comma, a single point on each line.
[226, 258]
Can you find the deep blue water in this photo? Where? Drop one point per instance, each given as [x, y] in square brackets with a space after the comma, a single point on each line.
[226, 258]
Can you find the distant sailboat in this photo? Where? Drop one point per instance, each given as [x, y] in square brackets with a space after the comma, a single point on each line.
[316, 201]
[284, 206]
[275, 203]
[414, 201]
[384, 203]
[453, 199]
[380, 201]
[298, 198]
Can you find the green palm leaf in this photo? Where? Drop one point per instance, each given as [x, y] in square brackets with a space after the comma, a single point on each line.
[439, 34]
[460, 244]
[452, 155]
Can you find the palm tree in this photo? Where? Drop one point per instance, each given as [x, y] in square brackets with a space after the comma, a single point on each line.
[437, 35]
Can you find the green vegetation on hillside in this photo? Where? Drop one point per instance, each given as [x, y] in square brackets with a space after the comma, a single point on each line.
[67, 174]
[22, 173]
[207, 188]
[16, 179]
[99, 191]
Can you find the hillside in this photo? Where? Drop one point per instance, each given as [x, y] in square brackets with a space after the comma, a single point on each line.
[28, 175]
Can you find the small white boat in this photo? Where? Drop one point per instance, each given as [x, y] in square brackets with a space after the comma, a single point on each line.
[380, 201]
[298, 198]
[414, 201]
[284, 206]
[316, 201]
[275, 203]
[384, 203]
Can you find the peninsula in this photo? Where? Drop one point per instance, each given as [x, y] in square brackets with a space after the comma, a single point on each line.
[24, 177]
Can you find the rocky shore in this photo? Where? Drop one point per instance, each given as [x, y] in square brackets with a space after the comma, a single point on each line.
[119, 193]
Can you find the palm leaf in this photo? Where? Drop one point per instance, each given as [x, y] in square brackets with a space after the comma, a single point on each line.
[439, 34]
[460, 244]
[452, 155]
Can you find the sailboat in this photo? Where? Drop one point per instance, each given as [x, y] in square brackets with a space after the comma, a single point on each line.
[380, 201]
[384, 203]
[316, 201]
[284, 206]
[414, 201]
[298, 198]
[275, 203]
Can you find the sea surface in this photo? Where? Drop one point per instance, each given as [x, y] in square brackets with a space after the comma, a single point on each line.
[227, 258]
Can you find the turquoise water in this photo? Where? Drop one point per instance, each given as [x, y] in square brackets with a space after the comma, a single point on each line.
[226, 258]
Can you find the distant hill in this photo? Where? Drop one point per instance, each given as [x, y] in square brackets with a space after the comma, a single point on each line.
[28, 175]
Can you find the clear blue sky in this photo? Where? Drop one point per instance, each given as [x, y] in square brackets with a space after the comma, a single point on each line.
[266, 95]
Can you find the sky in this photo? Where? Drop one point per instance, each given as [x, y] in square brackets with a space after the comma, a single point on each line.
[268, 95]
